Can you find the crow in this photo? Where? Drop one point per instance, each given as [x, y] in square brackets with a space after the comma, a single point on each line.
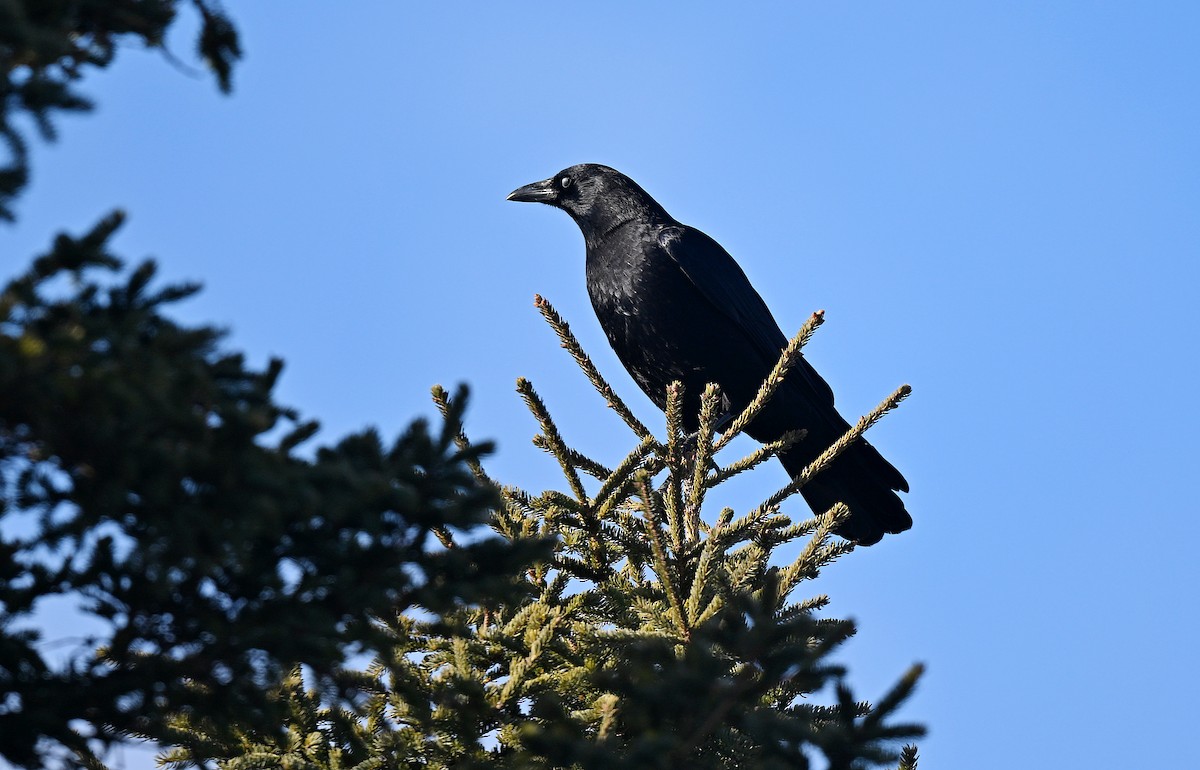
[675, 306]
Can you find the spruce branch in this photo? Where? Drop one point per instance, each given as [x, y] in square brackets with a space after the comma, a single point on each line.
[799, 529]
[553, 503]
[805, 607]
[607, 706]
[543, 633]
[581, 461]
[710, 400]
[756, 458]
[897, 695]
[839, 446]
[816, 554]
[610, 494]
[451, 409]
[746, 527]
[746, 566]
[517, 516]
[673, 486]
[606, 391]
[788, 358]
[700, 583]
[552, 439]
[449, 406]
[658, 548]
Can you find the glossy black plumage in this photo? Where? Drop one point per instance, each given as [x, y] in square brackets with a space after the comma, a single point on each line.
[676, 306]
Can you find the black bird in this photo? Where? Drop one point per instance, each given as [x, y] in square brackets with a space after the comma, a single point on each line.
[676, 306]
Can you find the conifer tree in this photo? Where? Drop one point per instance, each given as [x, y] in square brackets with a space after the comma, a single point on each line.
[149, 476]
[660, 634]
[48, 46]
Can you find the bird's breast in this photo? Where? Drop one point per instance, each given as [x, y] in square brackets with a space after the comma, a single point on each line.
[646, 307]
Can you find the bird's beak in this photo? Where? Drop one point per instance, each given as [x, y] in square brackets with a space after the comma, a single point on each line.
[538, 192]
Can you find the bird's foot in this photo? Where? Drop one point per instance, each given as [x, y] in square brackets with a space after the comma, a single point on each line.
[691, 441]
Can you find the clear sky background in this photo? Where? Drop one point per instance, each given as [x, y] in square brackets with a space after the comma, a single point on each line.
[998, 205]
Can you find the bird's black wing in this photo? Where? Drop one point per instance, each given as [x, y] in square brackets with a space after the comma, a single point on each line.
[721, 281]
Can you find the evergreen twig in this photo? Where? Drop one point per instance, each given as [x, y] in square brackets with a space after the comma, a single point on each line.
[447, 407]
[787, 358]
[702, 456]
[584, 361]
[908, 758]
[610, 491]
[662, 564]
[581, 461]
[552, 438]
[756, 458]
[673, 486]
[833, 452]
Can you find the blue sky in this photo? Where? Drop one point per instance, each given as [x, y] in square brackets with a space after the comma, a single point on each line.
[998, 205]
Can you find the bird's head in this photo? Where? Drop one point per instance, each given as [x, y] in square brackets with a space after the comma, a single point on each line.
[597, 197]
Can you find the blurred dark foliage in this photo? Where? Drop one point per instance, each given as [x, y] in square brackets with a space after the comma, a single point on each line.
[47, 46]
[150, 476]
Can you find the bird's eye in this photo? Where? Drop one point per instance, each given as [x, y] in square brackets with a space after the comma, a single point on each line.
[565, 182]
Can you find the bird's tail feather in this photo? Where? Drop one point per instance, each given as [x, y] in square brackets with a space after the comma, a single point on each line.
[863, 480]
